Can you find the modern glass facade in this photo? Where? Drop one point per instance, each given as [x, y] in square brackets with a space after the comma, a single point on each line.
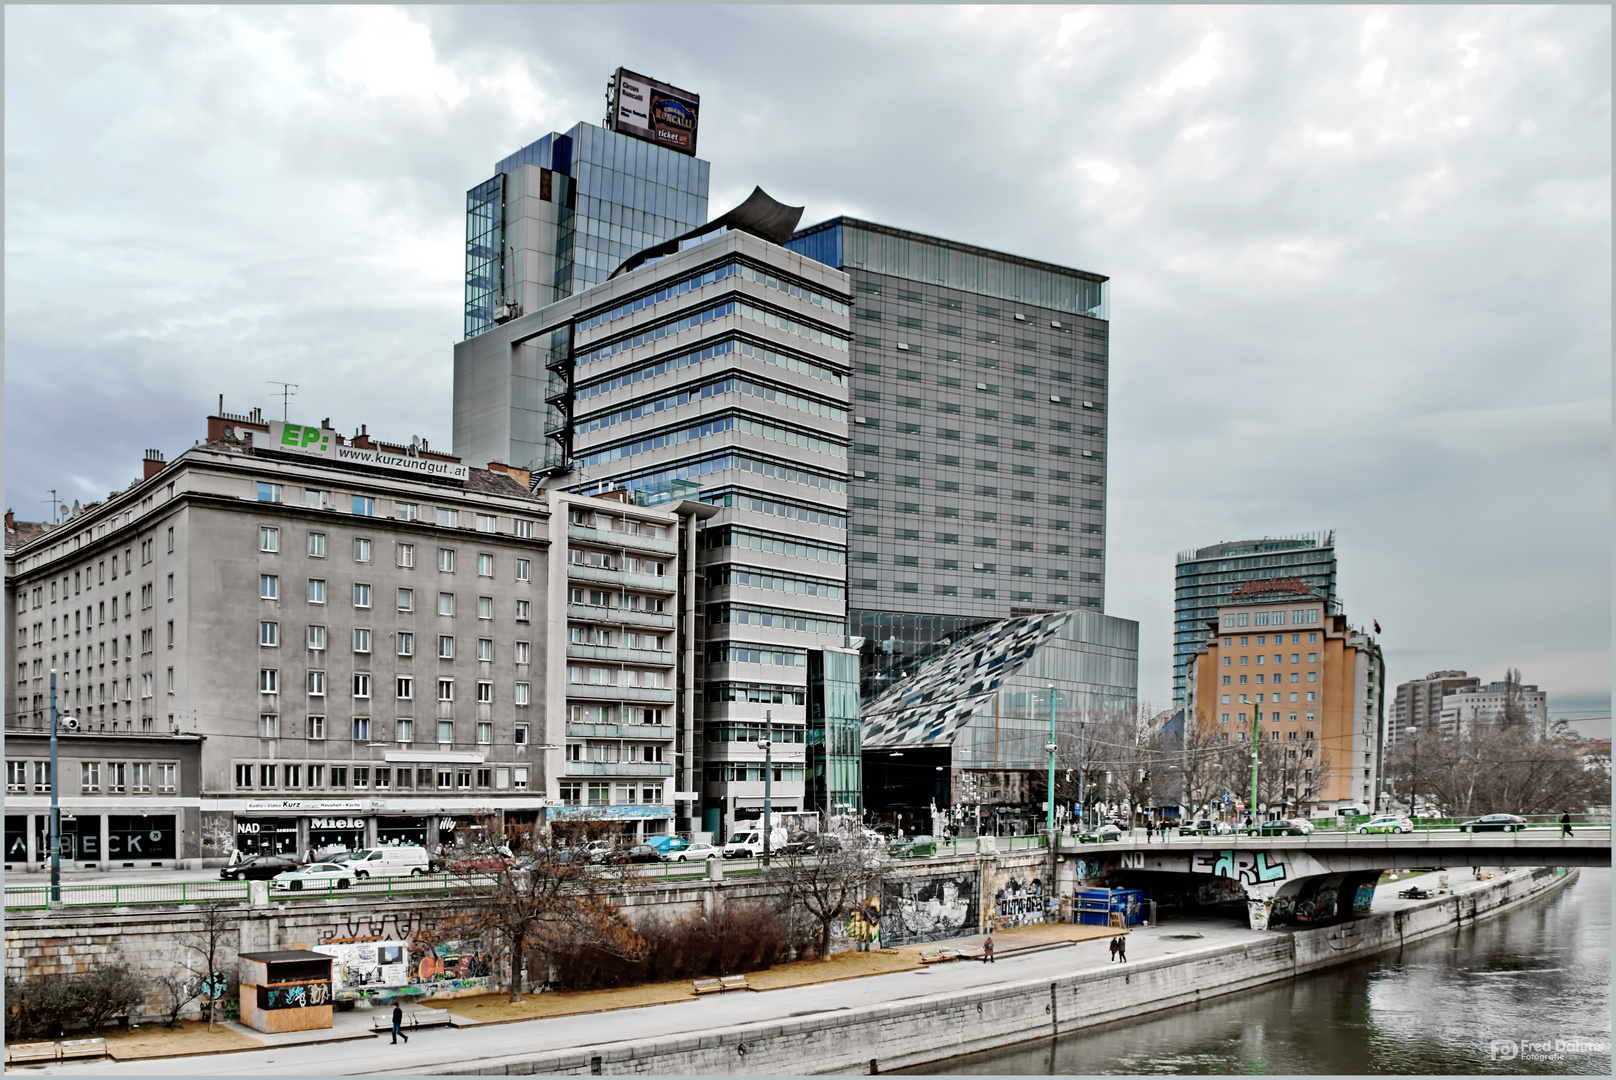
[561, 214]
[1207, 577]
[979, 439]
[835, 777]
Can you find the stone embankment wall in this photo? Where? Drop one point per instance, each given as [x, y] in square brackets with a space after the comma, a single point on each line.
[921, 1030]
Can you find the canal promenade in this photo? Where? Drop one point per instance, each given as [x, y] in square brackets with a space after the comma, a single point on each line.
[885, 1021]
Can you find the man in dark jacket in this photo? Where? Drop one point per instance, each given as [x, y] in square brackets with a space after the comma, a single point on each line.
[1565, 825]
[398, 1024]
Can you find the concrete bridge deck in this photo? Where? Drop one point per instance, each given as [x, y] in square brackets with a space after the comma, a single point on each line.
[1337, 852]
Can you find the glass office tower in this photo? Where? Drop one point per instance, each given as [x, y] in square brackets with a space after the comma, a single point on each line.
[979, 439]
[563, 212]
[1208, 577]
[835, 752]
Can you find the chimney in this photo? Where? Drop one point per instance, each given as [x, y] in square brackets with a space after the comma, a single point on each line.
[11, 521]
[154, 464]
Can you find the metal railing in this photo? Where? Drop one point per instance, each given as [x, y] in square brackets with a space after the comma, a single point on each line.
[37, 897]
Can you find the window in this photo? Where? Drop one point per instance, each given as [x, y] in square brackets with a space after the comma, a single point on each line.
[361, 550]
[140, 778]
[268, 726]
[445, 732]
[339, 776]
[171, 586]
[319, 500]
[361, 730]
[485, 607]
[90, 776]
[316, 731]
[42, 776]
[485, 649]
[445, 603]
[485, 693]
[244, 776]
[522, 609]
[524, 652]
[268, 539]
[361, 596]
[270, 493]
[406, 644]
[268, 681]
[406, 599]
[165, 779]
[446, 560]
[406, 555]
[316, 591]
[445, 689]
[145, 600]
[522, 569]
[268, 587]
[406, 511]
[268, 634]
[361, 685]
[365, 507]
[317, 638]
[404, 731]
[448, 519]
[485, 732]
[487, 523]
[445, 647]
[16, 776]
[315, 680]
[404, 687]
[523, 528]
[316, 545]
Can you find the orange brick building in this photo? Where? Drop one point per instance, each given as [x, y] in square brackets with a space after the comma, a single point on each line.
[1316, 685]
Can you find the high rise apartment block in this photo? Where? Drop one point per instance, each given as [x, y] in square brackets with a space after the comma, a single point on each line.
[1418, 704]
[979, 385]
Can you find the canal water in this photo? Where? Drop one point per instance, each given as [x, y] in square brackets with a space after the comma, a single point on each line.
[1526, 992]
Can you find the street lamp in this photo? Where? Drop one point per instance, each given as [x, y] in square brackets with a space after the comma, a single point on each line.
[1049, 804]
[56, 810]
[768, 778]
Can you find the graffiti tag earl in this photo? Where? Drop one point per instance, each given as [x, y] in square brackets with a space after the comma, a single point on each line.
[1249, 868]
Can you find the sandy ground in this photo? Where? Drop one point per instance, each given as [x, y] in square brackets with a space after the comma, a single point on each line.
[185, 1037]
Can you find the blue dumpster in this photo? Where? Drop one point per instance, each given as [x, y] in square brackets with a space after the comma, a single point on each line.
[1095, 907]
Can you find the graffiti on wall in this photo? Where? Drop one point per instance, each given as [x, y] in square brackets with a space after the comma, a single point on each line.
[294, 995]
[453, 967]
[1362, 897]
[396, 925]
[864, 923]
[367, 969]
[1247, 867]
[1020, 903]
[928, 908]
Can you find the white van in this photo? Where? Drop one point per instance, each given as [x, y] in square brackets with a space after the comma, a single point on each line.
[749, 843]
[390, 862]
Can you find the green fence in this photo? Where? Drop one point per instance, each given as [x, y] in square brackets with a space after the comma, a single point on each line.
[34, 897]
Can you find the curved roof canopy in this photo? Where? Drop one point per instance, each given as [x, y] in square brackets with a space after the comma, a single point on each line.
[759, 215]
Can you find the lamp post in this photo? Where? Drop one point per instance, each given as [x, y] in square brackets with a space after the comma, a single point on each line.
[1049, 804]
[1082, 789]
[768, 779]
[1256, 744]
[56, 810]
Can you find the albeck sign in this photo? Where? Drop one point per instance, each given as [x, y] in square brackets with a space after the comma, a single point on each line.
[1252, 590]
[322, 443]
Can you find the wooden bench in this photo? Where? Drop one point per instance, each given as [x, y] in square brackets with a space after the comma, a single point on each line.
[78, 1049]
[939, 956]
[25, 1053]
[413, 1018]
[708, 986]
[735, 982]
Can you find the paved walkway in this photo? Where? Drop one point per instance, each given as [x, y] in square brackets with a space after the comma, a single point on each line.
[430, 1048]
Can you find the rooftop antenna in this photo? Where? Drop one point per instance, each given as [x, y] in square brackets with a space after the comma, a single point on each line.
[288, 391]
[54, 503]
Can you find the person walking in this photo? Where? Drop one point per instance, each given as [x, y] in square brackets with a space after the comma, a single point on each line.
[987, 950]
[1565, 824]
[1122, 949]
[398, 1024]
[1113, 950]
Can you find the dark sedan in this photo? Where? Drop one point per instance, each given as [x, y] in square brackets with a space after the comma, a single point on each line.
[1494, 823]
[258, 868]
[636, 853]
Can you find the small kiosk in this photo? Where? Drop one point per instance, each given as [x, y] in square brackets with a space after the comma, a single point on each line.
[286, 991]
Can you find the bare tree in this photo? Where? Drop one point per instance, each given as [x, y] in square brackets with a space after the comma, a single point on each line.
[1514, 714]
[198, 963]
[1499, 769]
[831, 884]
[553, 898]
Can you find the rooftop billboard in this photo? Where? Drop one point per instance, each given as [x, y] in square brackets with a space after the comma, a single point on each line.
[654, 111]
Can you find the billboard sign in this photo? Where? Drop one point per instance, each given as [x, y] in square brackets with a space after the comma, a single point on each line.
[654, 111]
[322, 443]
[360, 968]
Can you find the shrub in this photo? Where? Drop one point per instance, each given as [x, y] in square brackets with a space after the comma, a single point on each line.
[49, 1007]
[747, 937]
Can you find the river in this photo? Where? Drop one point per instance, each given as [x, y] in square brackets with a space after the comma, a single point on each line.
[1536, 980]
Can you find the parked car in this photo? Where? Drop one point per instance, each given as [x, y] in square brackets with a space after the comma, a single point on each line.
[912, 847]
[1285, 827]
[258, 868]
[314, 875]
[1387, 823]
[390, 861]
[1104, 834]
[634, 853]
[598, 850]
[1206, 827]
[668, 844]
[1494, 823]
[697, 851]
[557, 857]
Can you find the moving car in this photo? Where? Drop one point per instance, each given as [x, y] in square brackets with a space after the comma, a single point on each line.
[1206, 827]
[1388, 823]
[1494, 823]
[668, 844]
[1286, 827]
[258, 868]
[696, 851]
[634, 853]
[1104, 834]
[314, 876]
[390, 862]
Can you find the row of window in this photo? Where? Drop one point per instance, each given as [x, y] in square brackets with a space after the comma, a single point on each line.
[662, 365]
[1270, 618]
[363, 730]
[580, 674]
[580, 793]
[1278, 678]
[752, 732]
[269, 682]
[364, 506]
[913, 588]
[752, 772]
[610, 714]
[739, 536]
[1024, 521]
[906, 426]
[299, 776]
[269, 637]
[269, 542]
[96, 777]
[269, 588]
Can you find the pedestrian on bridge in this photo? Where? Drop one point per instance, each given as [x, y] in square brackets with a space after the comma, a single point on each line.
[398, 1024]
[1565, 824]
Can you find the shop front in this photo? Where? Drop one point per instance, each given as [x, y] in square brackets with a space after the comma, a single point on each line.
[17, 838]
[267, 836]
[399, 831]
[331, 834]
[81, 837]
[137, 838]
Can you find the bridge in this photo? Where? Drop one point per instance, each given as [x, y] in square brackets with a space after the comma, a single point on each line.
[1316, 877]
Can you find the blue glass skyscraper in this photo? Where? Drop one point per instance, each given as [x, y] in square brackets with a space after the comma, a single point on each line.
[562, 213]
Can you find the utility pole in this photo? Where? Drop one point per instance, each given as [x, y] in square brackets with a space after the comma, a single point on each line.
[55, 811]
[1256, 742]
[1049, 805]
[1082, 788]
[768, 780]
[288, 391]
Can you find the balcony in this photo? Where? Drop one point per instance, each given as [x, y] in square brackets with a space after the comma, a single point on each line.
[626, 541]
[621, 768]
[619, 731]
[597, 692]
[621, 616]
[623, 656]
[623, 579]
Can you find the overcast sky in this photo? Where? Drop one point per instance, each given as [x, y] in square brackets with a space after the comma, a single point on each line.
[1359, 257]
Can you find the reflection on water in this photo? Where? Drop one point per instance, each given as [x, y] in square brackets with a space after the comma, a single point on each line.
[1457, 1003]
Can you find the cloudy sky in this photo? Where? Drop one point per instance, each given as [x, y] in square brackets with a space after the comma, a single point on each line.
[1360, 257]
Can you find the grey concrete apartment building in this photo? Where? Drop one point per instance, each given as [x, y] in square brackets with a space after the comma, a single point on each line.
[354, 632]
[716, 373]
[1418, 704]
[979, 439]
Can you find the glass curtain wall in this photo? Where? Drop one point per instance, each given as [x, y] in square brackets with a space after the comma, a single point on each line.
[485, 239]
[835, 774]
